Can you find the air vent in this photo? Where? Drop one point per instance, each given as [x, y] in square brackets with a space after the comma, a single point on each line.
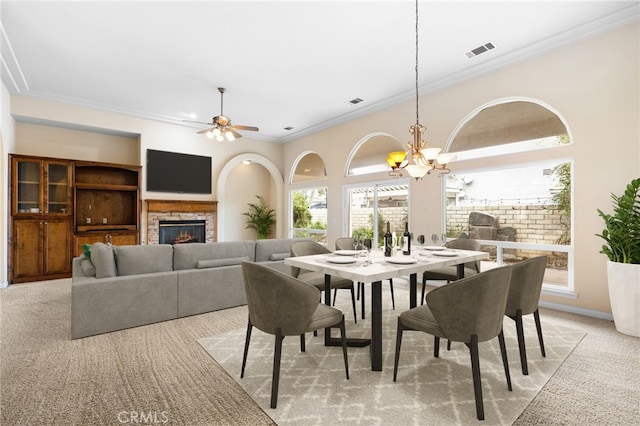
[479, 50]
[355, 101]
[288, 128]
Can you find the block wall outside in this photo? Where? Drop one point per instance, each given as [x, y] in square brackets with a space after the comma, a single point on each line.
[538, 224]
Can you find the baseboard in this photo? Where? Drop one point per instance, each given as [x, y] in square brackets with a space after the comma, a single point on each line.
[575, 310]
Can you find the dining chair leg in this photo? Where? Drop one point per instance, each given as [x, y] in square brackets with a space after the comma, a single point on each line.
[275, 381]
[398, 344]
[362, 301]
[448, 344]
[536, 317]
[393, 299]
[302, 343]
[246, 347]
[505, 361]
[335, 293]
[353, 303]
[359, 290]
[521, 344]
[436, 346]
[475, 369]
[424, 287]
[343, 335]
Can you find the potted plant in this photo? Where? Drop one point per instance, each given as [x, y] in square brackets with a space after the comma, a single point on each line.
[260, 217]
[622, 236]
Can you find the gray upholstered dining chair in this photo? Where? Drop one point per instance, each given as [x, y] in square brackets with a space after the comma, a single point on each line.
[285, 306]
[469, 310]
[450, 273]
[524, 295]
[346, 243]
[316, 279]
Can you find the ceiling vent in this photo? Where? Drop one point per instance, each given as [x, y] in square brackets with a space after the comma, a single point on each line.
[479, 50]
[288, 128]
[355, 101]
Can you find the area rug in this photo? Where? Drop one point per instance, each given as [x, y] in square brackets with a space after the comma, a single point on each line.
[435, 391]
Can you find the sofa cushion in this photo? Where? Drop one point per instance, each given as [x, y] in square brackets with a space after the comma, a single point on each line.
[266, 248]
[103, 260]
[214, 263]
[279, 256]
[186, 256]
[88, 268]
[144, 259]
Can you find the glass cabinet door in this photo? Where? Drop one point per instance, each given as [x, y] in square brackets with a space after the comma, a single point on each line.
[28, 186]
[57, 188]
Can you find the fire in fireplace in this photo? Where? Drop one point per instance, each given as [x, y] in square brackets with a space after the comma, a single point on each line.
[181, 231]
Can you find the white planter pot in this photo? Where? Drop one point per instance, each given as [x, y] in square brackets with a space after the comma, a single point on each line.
[624, 294]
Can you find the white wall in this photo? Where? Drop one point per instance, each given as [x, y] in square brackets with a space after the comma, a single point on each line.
[593, 84]
[7, 142]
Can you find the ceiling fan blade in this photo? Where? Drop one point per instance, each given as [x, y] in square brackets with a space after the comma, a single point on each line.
[198, 122]
[251, 128]
[204, 131]
[234, 133]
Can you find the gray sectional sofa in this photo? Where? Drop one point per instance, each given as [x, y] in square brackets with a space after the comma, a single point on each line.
[120, 287]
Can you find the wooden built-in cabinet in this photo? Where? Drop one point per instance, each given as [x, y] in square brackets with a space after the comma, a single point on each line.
[59, 205]
[107, 204]
[40, 233]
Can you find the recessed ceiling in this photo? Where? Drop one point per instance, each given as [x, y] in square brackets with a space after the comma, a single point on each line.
[284, 64]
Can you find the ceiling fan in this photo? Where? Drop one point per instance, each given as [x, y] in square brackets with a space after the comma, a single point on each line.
[221, 124]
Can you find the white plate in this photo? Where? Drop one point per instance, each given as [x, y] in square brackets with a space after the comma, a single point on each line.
[434, 248]
[401, 260]
[445, 253]
[341, 259]
[346, 252]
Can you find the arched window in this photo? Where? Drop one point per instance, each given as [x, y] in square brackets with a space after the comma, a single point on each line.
[370, 153]
[309, 167]
[508, 127]
[308, 201]
[521, 208]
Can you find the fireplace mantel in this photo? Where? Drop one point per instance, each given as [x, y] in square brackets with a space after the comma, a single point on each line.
[175, 210]
[179, 206]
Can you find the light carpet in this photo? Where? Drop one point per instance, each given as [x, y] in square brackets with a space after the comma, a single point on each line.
[437, 391]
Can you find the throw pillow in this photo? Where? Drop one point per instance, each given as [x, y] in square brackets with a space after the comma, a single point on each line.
[88, 268]
[103, 260]
[279, 256]
[214, 263]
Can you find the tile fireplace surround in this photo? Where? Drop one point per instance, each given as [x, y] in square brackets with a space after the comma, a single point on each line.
[169, 210]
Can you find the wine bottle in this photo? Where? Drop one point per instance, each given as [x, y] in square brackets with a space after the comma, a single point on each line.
[406, 240]
[388, 241]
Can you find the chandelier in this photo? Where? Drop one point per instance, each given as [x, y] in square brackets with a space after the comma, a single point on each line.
[422, 159]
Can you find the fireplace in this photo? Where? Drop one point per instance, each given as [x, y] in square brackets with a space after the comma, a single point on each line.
[174, 212]
[181, 231]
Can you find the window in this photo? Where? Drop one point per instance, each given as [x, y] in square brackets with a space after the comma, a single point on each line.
[369, 155]
[376, 203]
[309, 213]
[309, 205]
[518, 210]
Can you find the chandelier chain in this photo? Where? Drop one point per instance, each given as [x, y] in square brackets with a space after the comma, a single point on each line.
[417, 114]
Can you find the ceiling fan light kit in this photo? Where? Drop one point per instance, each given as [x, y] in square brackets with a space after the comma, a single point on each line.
[221, 127]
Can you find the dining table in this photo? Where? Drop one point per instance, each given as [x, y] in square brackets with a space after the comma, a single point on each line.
[373, 267]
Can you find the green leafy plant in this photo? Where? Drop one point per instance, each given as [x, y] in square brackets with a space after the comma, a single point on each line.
[622, 228]
[260, 217]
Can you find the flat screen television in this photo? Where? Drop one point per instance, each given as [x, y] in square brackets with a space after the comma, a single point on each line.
[178, 173]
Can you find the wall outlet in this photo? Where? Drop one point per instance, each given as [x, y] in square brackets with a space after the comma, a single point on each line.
[104, 220]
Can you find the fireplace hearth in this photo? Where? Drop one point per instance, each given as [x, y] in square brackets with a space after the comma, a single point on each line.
[181, 231]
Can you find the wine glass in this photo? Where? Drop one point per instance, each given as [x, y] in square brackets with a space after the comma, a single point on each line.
[356, 242]
[434, 239]
[366, 242]
[444, 239]
[421, 240]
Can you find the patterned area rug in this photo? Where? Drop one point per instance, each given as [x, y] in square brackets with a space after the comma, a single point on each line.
[435, 391]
